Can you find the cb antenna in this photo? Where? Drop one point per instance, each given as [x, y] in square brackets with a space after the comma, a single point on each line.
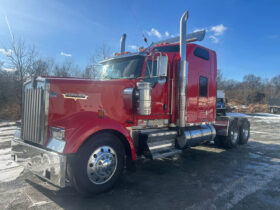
[145, 39]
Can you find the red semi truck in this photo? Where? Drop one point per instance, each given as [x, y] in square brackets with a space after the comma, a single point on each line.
[154, 103]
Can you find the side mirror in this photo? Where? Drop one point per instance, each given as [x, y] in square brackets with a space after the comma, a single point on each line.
[162, 63]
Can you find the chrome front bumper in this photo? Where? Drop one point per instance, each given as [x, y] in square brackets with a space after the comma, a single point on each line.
[49, 165]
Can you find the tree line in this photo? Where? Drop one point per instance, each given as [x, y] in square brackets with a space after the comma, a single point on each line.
[251, 90]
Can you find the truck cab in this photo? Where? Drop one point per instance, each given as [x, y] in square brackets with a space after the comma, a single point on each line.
[154, 103]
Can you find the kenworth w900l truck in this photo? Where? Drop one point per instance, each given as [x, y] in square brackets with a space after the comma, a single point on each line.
[154, 103]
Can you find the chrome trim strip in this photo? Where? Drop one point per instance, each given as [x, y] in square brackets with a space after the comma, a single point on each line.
[46, 112]
[164, 133]
[160, 146]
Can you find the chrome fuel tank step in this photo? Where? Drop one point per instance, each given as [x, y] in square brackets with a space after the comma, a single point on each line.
[159, 144]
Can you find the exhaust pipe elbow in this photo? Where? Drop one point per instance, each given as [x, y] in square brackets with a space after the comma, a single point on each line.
[122, 42]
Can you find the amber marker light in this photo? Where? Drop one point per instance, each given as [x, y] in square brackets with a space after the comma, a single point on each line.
[101, 113]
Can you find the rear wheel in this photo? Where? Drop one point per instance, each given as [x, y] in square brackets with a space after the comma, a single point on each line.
[244, 132]
[219, 141]
[232, 139]
[98, 164]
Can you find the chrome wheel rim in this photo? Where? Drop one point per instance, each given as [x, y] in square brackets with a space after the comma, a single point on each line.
[102, 165]
[234, 136]
[245, 133]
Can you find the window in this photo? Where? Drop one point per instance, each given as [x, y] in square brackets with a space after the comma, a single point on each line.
[203, 86]
[151, 69]
[129, 67]
[151, 72]
[201, 53]
[172, 48]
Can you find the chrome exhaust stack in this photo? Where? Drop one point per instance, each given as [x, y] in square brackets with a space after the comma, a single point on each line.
[183, 71]
[122, 42]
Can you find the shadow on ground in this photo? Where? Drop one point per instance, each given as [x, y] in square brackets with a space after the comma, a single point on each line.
[201, 177]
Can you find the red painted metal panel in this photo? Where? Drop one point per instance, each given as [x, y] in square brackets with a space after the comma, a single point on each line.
[79, 117]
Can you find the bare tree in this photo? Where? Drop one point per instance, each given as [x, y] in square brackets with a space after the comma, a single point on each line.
[101, 52]
[275, 87]
[67, 69]
[21, 57]
[219, 79]
[42, 67]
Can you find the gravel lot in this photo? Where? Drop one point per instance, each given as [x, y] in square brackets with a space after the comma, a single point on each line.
[204, 177]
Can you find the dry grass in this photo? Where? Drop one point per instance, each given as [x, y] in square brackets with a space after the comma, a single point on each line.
[235, 106]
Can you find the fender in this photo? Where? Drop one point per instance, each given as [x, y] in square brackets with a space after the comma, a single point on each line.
[89, 124]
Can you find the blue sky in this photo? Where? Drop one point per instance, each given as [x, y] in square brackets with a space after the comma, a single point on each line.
[245, 34]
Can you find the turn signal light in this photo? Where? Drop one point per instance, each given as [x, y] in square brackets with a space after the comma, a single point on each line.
[101, 113]
[123, 53]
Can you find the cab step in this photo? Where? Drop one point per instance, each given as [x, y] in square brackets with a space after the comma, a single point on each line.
[159, 143]
[166, 154]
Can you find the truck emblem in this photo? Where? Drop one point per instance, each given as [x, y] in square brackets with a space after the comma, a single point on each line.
[75, 96]
[53, 95]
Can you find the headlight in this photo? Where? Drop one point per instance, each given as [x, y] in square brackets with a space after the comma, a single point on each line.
[56, 141]
[57, 133]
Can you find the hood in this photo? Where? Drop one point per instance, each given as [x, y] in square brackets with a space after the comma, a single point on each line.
[69, 97]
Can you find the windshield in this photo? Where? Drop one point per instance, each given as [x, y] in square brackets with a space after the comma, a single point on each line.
[122, 68]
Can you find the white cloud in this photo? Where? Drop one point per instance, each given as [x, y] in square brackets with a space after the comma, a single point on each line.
[8, 69]
[133, 47]
[65, 54]
[218, 29]
[214, 39]
[166, 33]
[154, 32]
[6, 52]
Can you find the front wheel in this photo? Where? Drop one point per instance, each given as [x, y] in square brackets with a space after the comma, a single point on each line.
[98, 164]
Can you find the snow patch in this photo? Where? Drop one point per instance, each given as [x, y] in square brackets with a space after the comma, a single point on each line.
[10, 174]
[4, 151]
[236, 114]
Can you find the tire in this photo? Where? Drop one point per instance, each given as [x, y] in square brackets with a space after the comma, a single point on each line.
[97, 165]
[219, 141]
[231, 140]
[244, 132]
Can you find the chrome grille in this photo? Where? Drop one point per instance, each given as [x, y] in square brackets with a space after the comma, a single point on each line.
[33, 114]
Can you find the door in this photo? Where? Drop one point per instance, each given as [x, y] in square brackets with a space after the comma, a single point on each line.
[160, 91]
